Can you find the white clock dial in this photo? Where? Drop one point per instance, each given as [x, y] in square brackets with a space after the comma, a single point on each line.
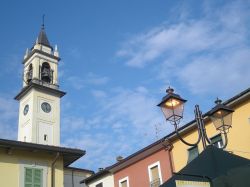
[46, 107]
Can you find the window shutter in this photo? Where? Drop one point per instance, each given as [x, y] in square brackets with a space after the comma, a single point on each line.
[192, 153]
[37, 178]
[33, 177]
[155, 173]
[28, 177]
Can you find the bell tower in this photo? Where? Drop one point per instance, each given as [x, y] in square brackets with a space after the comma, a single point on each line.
[39, 110]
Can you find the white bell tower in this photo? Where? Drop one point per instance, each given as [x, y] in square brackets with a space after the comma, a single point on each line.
[39, 110]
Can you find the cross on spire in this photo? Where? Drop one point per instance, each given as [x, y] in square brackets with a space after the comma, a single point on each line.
[43, 21]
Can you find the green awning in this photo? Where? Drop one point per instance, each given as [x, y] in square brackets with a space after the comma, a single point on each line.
[216, 166]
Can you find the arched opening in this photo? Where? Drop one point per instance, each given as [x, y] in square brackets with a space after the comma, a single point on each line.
[29, 73]
[46, 74]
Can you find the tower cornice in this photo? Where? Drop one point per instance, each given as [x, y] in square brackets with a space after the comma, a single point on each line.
[39, 87]
[40, 52]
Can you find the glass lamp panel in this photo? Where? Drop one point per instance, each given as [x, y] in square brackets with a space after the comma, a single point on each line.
[168, 112]
[228, 120]
[173, 109]
[222, 123]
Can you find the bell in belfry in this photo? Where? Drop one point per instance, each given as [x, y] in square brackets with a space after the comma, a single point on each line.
[46, 73]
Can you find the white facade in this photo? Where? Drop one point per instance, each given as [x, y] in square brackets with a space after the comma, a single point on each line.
[106, 180]
[39, 110]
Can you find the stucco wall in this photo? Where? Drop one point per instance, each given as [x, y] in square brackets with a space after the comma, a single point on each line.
[10, 167]
[107, 181]
[29, 124]
[138, 172]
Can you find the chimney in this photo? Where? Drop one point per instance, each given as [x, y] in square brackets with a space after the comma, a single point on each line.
[100, 169]
[119, 158]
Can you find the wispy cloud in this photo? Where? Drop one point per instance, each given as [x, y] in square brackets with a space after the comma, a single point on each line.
[203, 53]
[125, 121]
[96, 79]
[91, 79]
[98, 93]
[76, 82]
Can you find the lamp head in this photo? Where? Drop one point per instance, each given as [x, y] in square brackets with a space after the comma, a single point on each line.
[221, 116]
[172, 106]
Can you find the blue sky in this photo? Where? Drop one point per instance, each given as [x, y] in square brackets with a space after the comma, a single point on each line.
[118, 57]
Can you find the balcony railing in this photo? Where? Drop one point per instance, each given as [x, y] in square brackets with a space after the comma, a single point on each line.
[155, 183]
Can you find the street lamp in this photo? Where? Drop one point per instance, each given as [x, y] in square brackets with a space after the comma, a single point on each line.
[172, 106]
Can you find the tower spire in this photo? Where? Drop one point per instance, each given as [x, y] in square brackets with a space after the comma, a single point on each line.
[42, 37]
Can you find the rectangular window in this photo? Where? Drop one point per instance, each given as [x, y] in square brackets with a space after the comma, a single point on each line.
[33, 177]
[45, 137]
[99, 185]
[124, 182]
[217, 141]
[193, 152]
[154, 171]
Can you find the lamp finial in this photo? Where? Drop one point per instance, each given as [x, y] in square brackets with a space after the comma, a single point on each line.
[218, 101]
[170, 90]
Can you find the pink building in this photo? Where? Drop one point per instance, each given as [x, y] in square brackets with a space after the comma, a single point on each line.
[150, 166]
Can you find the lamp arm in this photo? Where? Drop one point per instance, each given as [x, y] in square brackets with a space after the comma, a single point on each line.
[208, 139]
[225, 138]
[185, 142]
[201, 126]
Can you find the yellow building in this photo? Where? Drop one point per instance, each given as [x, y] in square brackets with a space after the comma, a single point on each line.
[25, 164]
[238, 135]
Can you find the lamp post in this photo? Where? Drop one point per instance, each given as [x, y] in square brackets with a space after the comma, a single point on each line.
[172, 106]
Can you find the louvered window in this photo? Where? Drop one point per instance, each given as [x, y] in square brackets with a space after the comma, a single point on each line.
[33, 177]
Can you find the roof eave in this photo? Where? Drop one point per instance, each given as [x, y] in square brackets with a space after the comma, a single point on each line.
[69, 155]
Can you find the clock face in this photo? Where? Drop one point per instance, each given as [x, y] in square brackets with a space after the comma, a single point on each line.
[46, 107]
[26, 109]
